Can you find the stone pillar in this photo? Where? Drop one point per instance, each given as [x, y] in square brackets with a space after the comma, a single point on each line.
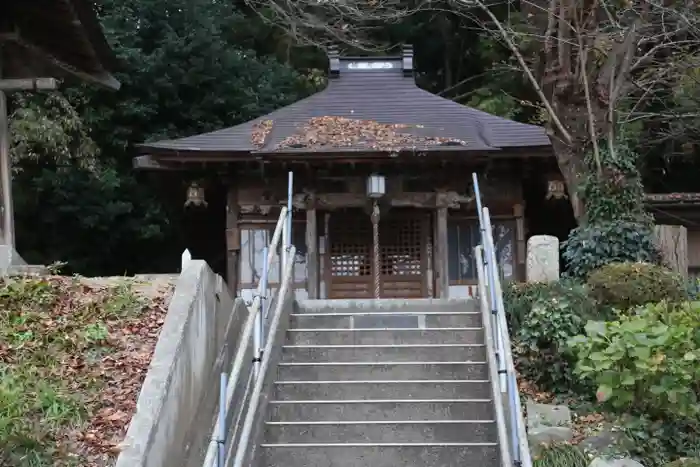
[542, 258]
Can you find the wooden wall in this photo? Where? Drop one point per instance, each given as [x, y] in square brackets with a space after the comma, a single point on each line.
[446, 195]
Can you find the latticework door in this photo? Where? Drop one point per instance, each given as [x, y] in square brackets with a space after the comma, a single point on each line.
[349, 270]
[403, 236]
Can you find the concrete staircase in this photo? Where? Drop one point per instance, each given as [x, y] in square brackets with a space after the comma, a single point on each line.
[382, 384]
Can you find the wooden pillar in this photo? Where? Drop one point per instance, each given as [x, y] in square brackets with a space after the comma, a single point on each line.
[441, 256]
[312, 283]
[233, 238]
[520, 253]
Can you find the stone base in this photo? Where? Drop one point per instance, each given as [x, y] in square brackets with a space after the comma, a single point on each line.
[12, 264]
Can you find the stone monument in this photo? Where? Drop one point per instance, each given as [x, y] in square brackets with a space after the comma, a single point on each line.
[542, 259]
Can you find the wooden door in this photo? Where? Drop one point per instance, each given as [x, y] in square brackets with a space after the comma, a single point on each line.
[403, 239]
[349, 257]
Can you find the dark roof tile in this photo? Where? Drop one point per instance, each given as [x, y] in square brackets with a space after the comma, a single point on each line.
[369, 110]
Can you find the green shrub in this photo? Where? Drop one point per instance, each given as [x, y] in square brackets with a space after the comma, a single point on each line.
[647, 362]
[627, 285]
[542, 318]
[658, 442]
[560, 455]
[692, 288]
[590, 247]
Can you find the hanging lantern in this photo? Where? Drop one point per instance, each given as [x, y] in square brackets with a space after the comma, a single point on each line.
[556, 189]
[376, 186]
[195, 196]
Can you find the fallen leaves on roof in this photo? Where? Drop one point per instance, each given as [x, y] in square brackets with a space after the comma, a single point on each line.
[73, 355]
[340, 132]
[260, 132]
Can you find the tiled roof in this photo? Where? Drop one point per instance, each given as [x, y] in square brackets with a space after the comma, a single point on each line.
[370, 104]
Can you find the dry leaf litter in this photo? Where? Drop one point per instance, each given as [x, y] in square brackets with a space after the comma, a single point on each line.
[340, 132]
[75, 352]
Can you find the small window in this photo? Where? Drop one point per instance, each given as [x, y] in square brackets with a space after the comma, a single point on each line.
[254, 239]
[464, 235]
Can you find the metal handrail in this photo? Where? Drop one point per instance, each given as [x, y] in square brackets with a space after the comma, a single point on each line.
[254, 327]
[252, 411]
[499, 340]
[487, 316]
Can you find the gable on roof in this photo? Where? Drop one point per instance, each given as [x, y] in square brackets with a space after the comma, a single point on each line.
[372, 105]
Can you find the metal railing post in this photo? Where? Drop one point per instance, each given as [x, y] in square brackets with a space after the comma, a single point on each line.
[258, 332]
[221, 457]
[254, 328]
[486, 231]
[489, 277]
[287, 241]
[286, 282]
[492, 275]
[508, 382]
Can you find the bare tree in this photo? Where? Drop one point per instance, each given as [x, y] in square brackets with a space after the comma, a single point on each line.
[594, 64]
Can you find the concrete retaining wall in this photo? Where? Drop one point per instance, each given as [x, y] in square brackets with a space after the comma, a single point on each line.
[176, 408]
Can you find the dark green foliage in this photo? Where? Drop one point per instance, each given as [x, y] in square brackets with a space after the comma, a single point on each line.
[626, 285]
[692, 288]
[616, 227]
[591, 246]
[182, 72]
[543, 317]
[659, 442]
[614, 192]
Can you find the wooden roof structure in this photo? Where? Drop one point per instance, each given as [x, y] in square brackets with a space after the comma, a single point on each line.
[54, 38]
[371, 107]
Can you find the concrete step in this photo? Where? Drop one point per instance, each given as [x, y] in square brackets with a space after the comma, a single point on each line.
[370, 371]
[382, 410]
[385, 320]
[338, 390]
[452, 431]
[380, 455]
[384, 336]
[384, 306]
[384, 353]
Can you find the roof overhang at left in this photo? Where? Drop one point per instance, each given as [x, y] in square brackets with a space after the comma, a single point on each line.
[54, 38]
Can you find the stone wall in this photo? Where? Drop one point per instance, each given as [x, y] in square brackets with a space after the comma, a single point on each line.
[176, 408]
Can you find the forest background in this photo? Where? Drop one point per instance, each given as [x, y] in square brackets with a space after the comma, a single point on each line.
[191, 66]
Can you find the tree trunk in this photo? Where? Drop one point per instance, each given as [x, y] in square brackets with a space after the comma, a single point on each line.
[571, 157]
[571, 164]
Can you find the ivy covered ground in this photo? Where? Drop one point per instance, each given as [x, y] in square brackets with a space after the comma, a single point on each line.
[73, 355]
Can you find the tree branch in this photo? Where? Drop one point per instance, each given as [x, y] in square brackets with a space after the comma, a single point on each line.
[564, 133]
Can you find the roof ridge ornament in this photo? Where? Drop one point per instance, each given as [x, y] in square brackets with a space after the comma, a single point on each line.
[334, 61]
[407, 60]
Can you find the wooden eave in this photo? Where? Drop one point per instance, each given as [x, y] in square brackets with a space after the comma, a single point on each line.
[186, 160]
[55, 38]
